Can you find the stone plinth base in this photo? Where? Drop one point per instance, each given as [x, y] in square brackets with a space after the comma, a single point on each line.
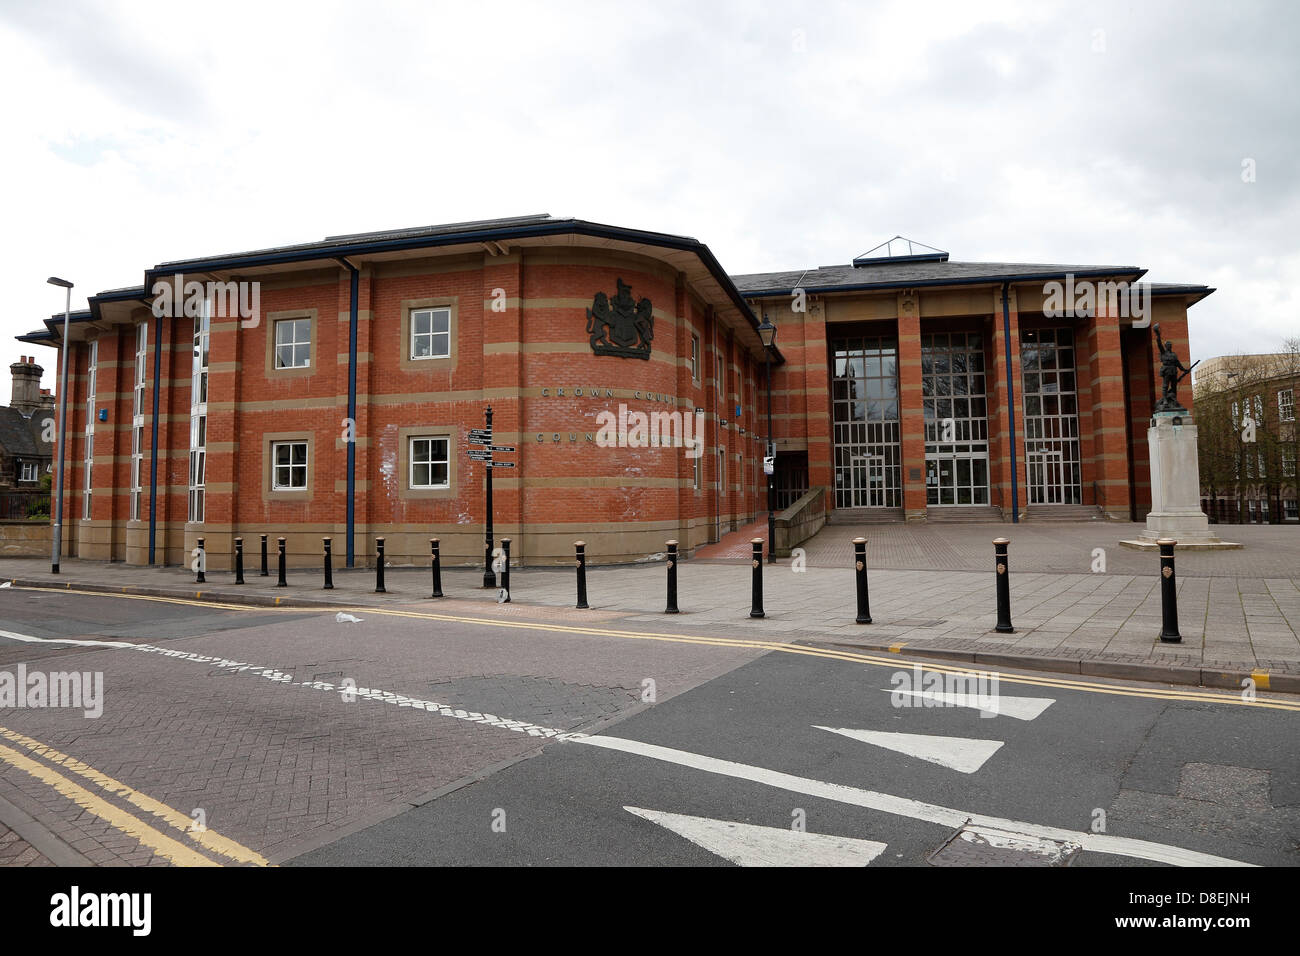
[1149, 544]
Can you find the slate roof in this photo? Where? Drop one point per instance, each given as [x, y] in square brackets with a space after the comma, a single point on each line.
[21, 437]
[886, 275]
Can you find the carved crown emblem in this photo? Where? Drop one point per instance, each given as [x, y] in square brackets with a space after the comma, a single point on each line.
[621, 326]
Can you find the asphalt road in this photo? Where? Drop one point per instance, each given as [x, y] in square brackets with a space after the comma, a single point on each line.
[428, 738]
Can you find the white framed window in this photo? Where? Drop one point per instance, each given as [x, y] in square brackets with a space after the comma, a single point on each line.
[695, 358]
[1292, 506]
[1250, 508]
[293, 343]
[698, 471]
[430, 333]
[28, 472]
[92, 368]
[199, 414]
[288, 465]
[1286, 405]
[137, 417]
[1288, 462]
[429, 466]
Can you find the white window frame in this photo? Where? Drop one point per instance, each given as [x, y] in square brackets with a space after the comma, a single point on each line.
[294, 344]
[1291, 509]
[429, 459]
[695, 358]
[92, 370]
[1288, 462]
[698, 471]
[1286, 406]
[304, 466]
[137, 417]
[199, 415]
[29, 472]
[432, 335]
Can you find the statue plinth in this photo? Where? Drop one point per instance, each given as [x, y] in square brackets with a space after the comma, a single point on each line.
[1176, 487]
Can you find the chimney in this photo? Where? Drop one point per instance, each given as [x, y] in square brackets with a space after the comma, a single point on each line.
[26, 395]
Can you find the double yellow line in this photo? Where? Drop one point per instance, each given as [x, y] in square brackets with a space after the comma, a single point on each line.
[169, 847]
[852, 657]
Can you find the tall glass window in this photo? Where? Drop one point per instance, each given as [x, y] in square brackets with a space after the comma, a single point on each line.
[92, 367]
[956, 419]
[199, 414]
[1051, 409]
[137, 417]
[868, 456]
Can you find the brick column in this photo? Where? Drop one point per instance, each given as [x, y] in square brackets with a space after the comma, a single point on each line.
[911, 411]
[1004, 400]
[1109, 429]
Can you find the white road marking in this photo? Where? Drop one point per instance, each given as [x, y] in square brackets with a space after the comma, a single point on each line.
[906, 807]
[956, 753]
[746, 844]
[1021, 708]
[1052, 851]
[884, 802]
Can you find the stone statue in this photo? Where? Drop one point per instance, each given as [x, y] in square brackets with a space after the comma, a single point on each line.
[1172, 372]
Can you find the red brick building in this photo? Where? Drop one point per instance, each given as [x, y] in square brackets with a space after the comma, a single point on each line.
[904, 385]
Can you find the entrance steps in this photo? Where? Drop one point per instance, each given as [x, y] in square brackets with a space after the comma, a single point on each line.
[864, 516]
[963, 514]
[1062, 513]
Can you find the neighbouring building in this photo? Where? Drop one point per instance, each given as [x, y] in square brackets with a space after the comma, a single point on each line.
[904, 386]
[26, 446]
[1248, 437]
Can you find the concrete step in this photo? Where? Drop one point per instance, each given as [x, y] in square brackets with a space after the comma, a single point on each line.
[959, 514]
[1062, 513]
[864, 516]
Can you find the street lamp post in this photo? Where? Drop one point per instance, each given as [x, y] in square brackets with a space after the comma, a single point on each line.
[57, 544]
[767, 332]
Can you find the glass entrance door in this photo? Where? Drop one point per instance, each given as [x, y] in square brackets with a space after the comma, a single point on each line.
[1046, 477]
[865, 417]
[956, 418]
[867, 482]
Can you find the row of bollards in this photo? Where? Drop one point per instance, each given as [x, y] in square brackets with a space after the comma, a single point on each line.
[1001, 563]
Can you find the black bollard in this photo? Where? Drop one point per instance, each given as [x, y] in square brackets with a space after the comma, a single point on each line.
[860, 567]
[1168, 593]
[437, 569]
[580, 548]
[265, 573]
[329, 566]
[282, 583]
[505, 569]
[757, 562]
[239, 560]
[672, 579]
[1004, 586]
[203, 556]
[379, 568]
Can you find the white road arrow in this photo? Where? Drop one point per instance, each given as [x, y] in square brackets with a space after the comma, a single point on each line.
[1021, 708]
[748, 845]
[955, 753]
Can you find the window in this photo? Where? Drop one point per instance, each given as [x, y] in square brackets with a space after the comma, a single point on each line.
[137, 417]
[1286, 405]
[695, 358]
[695, 481]
[28, 472]
[199, 414]
[429, 466]
[92, 366]
[430, 333]
[1250, 507]
[293, 343]
[289, 471]
[1292, 509]
[1288, 462]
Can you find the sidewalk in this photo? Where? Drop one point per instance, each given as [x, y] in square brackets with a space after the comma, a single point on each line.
[1234, 625]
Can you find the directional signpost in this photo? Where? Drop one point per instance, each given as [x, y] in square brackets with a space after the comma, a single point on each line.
[483, 437]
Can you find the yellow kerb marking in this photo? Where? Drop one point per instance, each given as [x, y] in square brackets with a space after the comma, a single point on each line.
[1260, 678]
[162, 845]
[207, 838]
[897, 648]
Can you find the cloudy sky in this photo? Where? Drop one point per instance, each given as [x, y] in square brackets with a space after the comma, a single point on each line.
[783, 135]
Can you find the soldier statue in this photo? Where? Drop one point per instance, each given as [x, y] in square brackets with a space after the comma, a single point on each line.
[1172, 371]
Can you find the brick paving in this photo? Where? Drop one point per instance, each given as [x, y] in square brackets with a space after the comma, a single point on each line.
[15, 851]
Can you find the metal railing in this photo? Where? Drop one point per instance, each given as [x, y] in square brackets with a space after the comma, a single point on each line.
[18, 505]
